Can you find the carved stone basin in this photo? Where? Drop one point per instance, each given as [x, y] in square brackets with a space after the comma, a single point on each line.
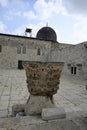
[43, 79]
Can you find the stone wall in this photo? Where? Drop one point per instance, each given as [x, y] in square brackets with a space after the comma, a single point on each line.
[72, 55]
[9, 57]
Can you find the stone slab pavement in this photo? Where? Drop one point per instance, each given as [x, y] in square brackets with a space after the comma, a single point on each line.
[72, 95]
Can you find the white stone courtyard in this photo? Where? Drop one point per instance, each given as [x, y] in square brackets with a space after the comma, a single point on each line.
[72, 95]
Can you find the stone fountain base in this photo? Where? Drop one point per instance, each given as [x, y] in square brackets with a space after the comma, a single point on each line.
[41, 110]
[43, 80]
[35, 104]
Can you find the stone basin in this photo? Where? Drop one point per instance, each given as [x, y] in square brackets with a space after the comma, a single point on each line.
[43, 77]
[43, 80]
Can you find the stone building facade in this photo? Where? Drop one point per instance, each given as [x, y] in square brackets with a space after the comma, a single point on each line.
[16, 49]
[74, 57]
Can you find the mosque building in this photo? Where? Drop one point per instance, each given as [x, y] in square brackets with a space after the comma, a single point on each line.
[15, 49]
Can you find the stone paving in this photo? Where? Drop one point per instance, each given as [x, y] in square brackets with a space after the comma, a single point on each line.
[72, 95]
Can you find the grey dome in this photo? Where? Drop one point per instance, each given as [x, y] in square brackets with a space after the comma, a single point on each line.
[47, 33]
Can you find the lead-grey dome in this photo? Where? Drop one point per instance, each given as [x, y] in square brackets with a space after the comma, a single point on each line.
[47, 33]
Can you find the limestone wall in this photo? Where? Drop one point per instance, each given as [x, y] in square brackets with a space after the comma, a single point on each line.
[72, 55]
[9, 57]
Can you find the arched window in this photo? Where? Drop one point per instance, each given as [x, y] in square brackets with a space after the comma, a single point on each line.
[18, 49]
[38, 51]
[24, 50]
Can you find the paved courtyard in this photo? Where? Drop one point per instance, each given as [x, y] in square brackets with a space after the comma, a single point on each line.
[72, 94]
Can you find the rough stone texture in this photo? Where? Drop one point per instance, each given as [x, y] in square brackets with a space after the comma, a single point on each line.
[35, 123]
[36, 104]
[73, 55]
[18, 108]
[9, 57]
[43, 83]
[43, 77]
[53, 113]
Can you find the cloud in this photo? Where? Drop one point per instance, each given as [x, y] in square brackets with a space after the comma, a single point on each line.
[2, 26]
[75, 6]
[3, 3]
[19, 31]
[45, 10]
[41, 10]
[18, 4]
[81, 28]
[77, 11]
[80, 36]
[11, 14]
[29, 15]
[13, 7]
[18, 13]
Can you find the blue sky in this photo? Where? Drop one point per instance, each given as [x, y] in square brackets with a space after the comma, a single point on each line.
[67, 17]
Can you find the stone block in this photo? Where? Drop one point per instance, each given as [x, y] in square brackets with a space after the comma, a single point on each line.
[53, 113]
[17, 109]
[3, 113]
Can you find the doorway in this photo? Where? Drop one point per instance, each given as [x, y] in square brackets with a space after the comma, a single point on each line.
[20, 66]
